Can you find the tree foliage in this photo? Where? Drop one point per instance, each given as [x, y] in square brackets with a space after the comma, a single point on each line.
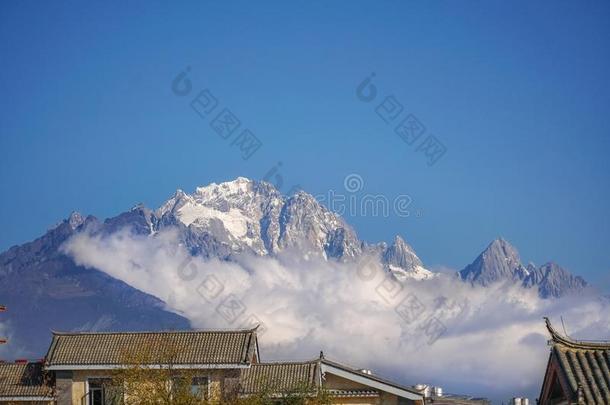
[151, 376]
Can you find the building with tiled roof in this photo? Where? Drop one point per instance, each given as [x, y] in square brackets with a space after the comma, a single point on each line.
[83, 363]
[78, 370]
[343, 383]
[578, 372]
[198, 349]
[24, 382]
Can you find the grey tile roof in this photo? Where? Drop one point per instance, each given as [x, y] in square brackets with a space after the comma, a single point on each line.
[283, 377]
[585, 365]
[588, 368]
[278, 377]
[23, 380]
[235, 347]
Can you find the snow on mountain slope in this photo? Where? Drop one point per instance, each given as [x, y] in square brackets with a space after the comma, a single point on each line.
[416, 273]
[249, 216]
[403, 263]
[236, 214]
[245, 216]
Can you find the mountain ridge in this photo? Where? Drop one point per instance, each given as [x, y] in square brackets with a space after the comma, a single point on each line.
[247, 216]
[39, 282]
[40, 285]
[500, 261]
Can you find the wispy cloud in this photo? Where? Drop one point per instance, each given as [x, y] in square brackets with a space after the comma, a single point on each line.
[308, 305]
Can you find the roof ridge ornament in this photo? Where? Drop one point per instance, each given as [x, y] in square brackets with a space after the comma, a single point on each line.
[554, 334]
[557, 338]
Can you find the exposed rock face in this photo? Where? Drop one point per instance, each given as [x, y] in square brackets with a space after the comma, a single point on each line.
[554, 281]
[44, 289]
[248, 216]
[230, 218]
[401, 260]
[400, 254]
[500, 262]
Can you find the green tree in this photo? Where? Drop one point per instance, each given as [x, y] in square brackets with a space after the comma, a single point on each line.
[152, 376]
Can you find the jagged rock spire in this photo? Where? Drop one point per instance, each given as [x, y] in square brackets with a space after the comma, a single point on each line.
[402, 255]
[499, 261]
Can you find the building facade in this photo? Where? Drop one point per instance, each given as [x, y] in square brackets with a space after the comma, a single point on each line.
[79, 369]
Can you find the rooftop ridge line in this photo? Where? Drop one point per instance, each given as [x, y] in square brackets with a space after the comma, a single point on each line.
[193, 331]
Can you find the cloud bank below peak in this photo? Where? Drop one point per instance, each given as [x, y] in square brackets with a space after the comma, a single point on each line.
[461, 335]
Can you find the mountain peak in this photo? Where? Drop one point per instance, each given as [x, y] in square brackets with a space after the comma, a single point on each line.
[75, 219]
[501, 249]
[499, 261]
[138, 207]
[245, 215]
[503, 244]
[179, 194]
[400, 254]
[555, 281]
[240, 183]
[398, 241]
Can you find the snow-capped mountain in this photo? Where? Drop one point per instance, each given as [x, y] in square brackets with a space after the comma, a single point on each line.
[401, 260]
[245, 216]
[500, 261]
[41, 283]
[248, 216]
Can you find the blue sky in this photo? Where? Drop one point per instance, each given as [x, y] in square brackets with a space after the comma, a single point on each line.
[518, 92]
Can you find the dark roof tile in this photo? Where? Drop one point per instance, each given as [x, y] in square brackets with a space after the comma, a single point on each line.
[185, 347]
[23, 380]
[585, 364]
[286, 377]
[278, 377]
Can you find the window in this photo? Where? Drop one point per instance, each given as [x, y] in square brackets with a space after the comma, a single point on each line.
[96, 392]
[102, 392]
[196, 386]
[199, 387]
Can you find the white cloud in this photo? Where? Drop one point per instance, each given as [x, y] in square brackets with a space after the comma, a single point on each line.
[494, 343]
